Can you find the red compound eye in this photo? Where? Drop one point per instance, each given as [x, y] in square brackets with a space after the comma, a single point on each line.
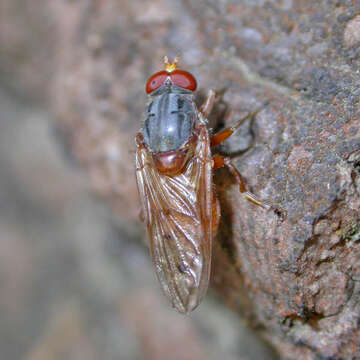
[179, 78]
[156, 81]
[183, 79]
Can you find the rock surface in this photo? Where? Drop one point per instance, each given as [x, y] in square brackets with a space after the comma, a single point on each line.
[76, 283]
[27, 34]
[298, 280]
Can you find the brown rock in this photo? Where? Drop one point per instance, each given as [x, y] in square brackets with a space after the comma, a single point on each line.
[297, 280]
[352, 32]
[27, 34]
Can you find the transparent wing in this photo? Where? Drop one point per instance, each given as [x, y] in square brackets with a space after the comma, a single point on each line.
[177, 211]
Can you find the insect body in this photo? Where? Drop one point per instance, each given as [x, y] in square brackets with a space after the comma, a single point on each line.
[174, 167]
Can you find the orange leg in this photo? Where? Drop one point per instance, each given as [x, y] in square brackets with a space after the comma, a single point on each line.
[220, 161]
[223, 135]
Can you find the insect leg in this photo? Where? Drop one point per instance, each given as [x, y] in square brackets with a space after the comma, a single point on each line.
[208, 104]
[223, 135]
[220, 161]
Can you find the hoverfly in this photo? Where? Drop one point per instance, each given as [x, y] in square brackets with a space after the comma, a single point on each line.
[174, 172]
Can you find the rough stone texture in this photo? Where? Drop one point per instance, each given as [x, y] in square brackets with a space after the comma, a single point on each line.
[297, 280]
[76, 283]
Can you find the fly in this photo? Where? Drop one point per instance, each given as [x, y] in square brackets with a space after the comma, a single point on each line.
[174, 173]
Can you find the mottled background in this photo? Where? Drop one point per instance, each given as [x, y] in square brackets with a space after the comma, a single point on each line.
[76, 282]
[75, 276]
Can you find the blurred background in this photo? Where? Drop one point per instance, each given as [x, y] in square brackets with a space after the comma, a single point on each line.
[76, 281]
